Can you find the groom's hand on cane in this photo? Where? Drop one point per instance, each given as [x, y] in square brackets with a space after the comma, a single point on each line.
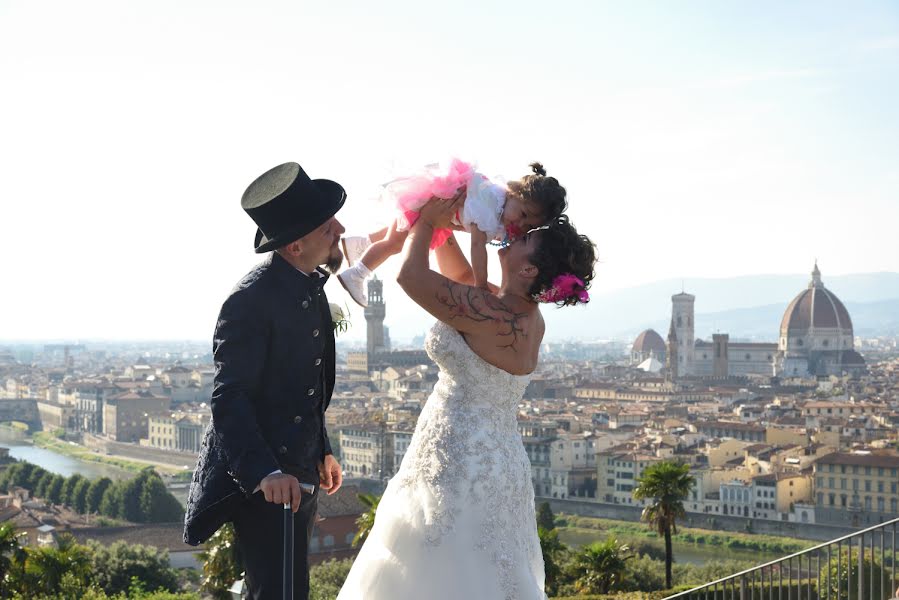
[281, 488]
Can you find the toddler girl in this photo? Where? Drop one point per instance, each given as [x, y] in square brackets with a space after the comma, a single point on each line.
[490, 212]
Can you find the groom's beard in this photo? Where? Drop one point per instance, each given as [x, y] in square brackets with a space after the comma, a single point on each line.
[335, 260]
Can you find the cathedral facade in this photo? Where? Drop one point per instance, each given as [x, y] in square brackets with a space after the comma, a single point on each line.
[816, 339]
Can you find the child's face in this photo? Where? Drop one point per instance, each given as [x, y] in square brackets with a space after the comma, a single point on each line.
[520, 216]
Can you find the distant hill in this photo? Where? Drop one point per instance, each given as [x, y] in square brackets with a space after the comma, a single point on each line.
[745, 307]
[750, 306]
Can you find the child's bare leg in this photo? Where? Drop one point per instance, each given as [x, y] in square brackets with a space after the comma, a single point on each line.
[384, 248]
[378, 235]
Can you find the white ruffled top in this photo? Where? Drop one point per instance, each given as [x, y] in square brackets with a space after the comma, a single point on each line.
[484, 202]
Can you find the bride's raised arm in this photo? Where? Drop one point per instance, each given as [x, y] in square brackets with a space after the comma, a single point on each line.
[466, 308]
[451, 263]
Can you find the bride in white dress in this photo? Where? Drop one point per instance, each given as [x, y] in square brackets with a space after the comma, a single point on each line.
[457, 520]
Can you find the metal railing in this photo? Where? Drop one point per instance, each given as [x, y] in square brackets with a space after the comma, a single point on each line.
[858, 566]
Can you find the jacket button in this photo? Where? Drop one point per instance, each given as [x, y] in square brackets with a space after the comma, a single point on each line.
[305, 304]
[315, 333]
[318, 361]
[282, 450]
[298, 419]
[310, 392]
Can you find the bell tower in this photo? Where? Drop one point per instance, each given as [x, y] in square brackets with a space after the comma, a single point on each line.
[374, 317]
[682, 319]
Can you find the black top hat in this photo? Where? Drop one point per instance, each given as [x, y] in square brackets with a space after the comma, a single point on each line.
[286, 204]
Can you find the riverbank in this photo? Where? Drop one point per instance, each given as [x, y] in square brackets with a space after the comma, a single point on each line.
[691, 546]
[52, 442]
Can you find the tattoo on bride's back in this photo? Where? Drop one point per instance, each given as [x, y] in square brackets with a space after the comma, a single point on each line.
[480, 306]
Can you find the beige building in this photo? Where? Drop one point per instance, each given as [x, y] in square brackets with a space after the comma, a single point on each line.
[366, 451]
[722, 452]
[176, 431]
[617, 474]
[857, 488]
[126, 416]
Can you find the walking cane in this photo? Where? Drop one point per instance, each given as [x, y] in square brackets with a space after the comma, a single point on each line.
[287, 585]
[288, 552]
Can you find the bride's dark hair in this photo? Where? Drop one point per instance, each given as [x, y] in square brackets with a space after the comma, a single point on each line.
[560, 251]
[541, 190]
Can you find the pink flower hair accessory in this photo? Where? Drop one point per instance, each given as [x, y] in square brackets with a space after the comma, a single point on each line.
[563, 287]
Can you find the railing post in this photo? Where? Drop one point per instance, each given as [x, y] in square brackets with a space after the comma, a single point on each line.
[743, 595]
[861, 567]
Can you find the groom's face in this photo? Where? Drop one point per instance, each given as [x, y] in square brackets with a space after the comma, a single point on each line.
[321, 246]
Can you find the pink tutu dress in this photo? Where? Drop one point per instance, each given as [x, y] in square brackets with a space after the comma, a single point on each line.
[484, 199]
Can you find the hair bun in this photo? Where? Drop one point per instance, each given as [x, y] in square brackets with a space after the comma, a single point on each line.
[538, 169]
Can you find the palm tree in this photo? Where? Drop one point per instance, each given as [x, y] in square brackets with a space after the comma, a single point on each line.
[367, 519]
[45, 568]
[600, 566]
[667, 484]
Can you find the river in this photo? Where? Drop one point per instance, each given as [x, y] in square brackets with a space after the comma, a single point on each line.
[21, 448]
[696, 554]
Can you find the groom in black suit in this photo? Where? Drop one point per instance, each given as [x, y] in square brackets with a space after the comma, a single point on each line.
[274, 374]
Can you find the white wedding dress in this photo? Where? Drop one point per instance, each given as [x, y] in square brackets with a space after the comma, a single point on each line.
[457, 520]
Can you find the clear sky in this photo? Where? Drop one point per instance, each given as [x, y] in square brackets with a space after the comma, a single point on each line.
[696, 139]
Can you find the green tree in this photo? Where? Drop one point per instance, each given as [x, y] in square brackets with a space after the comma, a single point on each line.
[111, 504]
[10, 475]
[367, 519]
[79, 496]
[221, 563]
[157, 504]
[598, 568]
[45, 569]
[326, 579]
[131, 495]
[115, 567]
[666, 484]
[43, 486]
[555, 556]
[54, 491]
[545, 517]
[645, 574]
[95, 493]
[68, 489]
[35, 478]
[22, 475]
[11, 553]
[839, 577]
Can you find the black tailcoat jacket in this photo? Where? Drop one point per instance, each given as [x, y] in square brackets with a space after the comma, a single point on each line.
[274, 374]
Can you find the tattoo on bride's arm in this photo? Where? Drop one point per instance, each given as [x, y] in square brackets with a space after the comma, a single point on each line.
[466, 302]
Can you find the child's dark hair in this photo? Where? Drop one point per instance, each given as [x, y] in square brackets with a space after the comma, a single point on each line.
[543, 191]
[561, 250]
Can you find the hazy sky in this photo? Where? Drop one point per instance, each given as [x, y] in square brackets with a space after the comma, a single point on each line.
[696, 139]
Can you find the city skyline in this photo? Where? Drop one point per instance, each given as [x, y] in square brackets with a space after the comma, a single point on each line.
[721, 142]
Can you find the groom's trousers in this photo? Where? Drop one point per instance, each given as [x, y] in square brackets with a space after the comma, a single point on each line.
[259, 529]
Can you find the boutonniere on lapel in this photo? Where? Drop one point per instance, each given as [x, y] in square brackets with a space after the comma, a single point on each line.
[339, 319]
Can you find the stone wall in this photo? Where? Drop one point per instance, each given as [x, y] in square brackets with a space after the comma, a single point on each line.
[166, 457]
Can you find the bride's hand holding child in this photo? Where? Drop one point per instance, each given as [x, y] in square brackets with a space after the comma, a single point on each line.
[439, 212]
